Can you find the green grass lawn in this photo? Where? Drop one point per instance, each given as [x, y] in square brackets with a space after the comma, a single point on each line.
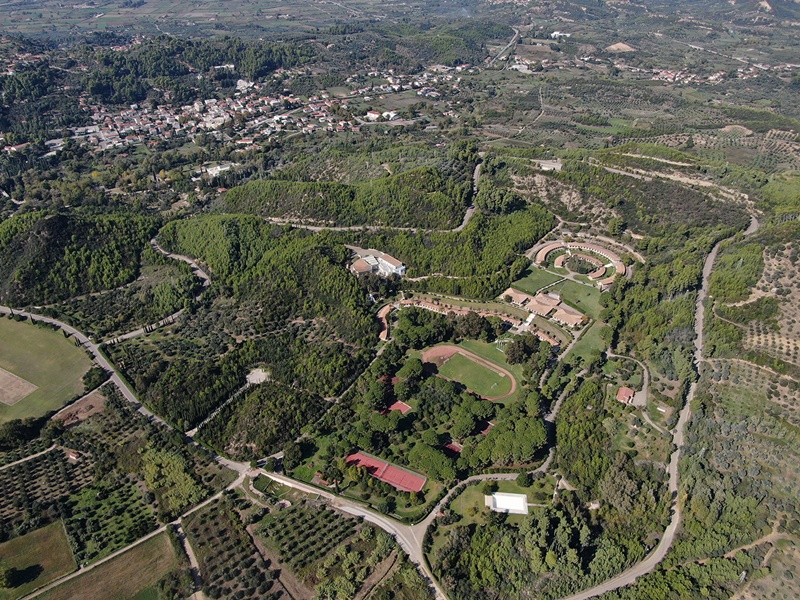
[130, 575]
[41, 555]
[44, 358]
[477, 306]
[590, 340]
[478, 378]
[533, 280]
[491, 353]
[583, 297]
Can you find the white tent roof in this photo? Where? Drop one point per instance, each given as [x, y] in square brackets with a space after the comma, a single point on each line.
[515, 504]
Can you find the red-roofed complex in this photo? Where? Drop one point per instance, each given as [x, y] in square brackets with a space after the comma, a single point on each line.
[625, 395]
[398, 477]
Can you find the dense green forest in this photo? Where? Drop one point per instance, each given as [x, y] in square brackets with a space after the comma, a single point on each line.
[488, 243]
[261, 421]
[167, 62]
[280, 297]
[164, 287]
[421, 197]
[283, 273]
[50, 256]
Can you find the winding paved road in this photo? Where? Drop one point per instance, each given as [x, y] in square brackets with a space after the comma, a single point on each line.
[514, 38]
[410, 537]
[652, 561]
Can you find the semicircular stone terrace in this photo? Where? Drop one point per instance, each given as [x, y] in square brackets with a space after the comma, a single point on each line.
[573, 249]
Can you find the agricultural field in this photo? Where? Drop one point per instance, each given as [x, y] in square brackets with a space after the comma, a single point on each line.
[47, 361]
[135, 572]
[781, 337]
[305, 534]
[32, 447]
[782, 582]
[231, 565]
[38, 557]
[105, 517]
[476, 377]
[327, 551]
[778, 395]
[203, 18]
[43, 481]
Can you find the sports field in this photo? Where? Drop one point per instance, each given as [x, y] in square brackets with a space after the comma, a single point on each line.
[127, 576]
[478, 378]
[44, 368]
[39, 556]
[477, 374]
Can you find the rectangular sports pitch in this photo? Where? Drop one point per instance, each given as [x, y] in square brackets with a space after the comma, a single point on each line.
[43, 369]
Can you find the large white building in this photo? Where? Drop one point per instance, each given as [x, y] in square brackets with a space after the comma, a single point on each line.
[375, 261]
[513, 504]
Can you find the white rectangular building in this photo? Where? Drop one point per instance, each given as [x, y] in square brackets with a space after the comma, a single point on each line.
[513, 504]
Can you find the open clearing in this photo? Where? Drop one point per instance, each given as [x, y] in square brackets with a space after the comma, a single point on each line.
[13, 388]
[583, 297]
[477, 374]
[589, 342]
[84, 408]
[534, 279]
[47, 360]
[41, 556]
[122, 577]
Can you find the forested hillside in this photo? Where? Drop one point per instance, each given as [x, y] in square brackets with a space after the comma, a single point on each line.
[422, 197]
[280, 298]
[48, 256]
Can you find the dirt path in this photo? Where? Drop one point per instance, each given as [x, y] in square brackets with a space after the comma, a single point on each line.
[382, 317]
[381, 572]
[293, 587]
[439, 354]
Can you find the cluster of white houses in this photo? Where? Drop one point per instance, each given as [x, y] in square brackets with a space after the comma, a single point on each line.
[375, 261]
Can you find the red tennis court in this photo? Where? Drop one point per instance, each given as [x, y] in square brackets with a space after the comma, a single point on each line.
[398, 477]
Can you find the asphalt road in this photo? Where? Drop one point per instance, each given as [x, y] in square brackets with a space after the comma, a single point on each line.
[652, 561]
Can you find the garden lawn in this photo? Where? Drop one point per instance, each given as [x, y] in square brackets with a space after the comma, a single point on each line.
[476, 377]
[590, 340]
[45, 358]
[125, 576]
[42, 556]
[533, 280]
[583, 297]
